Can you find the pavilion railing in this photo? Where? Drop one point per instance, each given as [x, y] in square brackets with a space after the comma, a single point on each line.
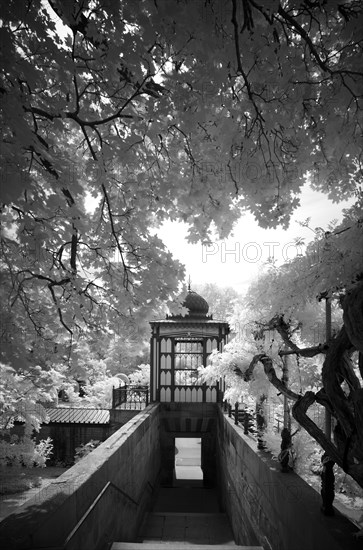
[190, 393]
[130, 397]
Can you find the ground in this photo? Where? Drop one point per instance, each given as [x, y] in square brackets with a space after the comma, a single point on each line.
[19, 484]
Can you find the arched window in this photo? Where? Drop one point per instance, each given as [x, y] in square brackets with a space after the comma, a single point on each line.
[189, 356]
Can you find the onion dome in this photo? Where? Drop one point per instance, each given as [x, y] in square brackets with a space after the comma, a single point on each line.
[198, 306]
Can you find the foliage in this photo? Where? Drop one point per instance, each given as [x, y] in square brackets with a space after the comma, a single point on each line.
[202, 133]
[43, 450]
[140, 376]
[234, 362]
[220, 300]
[100, 369]
[24, 393]
[24, 451]
[125, 353]
[98, 391]
[85, 449]
[99, 394]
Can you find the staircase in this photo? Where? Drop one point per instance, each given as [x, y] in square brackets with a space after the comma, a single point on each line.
[185, 518]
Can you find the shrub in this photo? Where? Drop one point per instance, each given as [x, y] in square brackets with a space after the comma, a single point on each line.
[25, 451]
[85, 449]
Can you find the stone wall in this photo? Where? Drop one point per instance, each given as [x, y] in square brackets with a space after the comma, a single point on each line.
[278, 511]
[102, 498]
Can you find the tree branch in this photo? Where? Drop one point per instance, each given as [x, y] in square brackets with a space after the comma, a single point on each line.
[333, 376]
[299, 413]
[115, 236]
[236, 36]
[278, 323]
[353, 316]
[304, 35]
[74, 238]
[270, 373]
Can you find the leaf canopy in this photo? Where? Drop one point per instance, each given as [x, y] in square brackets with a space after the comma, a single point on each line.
[193, 111]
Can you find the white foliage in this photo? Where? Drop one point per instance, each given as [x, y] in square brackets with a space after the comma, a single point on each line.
[99, 394]
[24, 451]
[140, 376]
[24, 394]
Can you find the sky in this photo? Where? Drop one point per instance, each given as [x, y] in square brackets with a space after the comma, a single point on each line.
[236, 261]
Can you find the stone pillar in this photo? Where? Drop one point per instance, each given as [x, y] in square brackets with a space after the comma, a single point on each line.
[208, 460]
[167, 450]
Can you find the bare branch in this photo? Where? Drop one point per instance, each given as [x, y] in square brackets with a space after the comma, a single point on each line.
[59, 311]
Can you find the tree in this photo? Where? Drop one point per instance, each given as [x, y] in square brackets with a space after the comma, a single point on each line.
[290, 303]
[220, 299]
[109, 100]
[159, 110]
[126, 355]
[23, 397]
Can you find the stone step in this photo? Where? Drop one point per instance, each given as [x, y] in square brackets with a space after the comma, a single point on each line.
[195, 528]
[177, 546]
[186, 499]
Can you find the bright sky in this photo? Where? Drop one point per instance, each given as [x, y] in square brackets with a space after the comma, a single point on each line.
[236, 261]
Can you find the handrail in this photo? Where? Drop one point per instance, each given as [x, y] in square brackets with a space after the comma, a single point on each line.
[124, 494]
[147, 484]
[89, 509]
[97, 499]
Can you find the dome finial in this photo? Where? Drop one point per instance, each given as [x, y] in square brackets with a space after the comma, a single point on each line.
[189, 283]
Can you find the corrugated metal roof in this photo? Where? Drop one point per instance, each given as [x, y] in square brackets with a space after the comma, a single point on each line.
[67, 415]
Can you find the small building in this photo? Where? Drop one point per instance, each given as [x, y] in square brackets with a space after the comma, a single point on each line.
[180, 346]
[70, 427]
